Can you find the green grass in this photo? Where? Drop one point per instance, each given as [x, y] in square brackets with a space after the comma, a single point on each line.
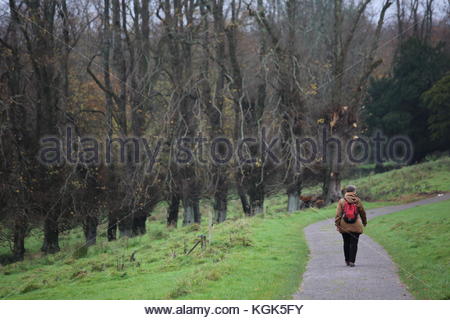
[403, 184]
[418, 241]
[251, 258]
[248, 258]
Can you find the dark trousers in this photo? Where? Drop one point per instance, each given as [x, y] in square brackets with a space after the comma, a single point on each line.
[350, 245]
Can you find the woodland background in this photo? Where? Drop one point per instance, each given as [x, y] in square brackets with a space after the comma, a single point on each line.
[184, 68]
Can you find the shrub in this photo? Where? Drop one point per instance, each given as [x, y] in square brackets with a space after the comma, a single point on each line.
[80, 252]
[30, 287]
[98, 267]
[79, 274]
[158, 234]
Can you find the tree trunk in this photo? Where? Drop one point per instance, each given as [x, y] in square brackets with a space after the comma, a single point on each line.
[126, 225]
[90, 230]
[142, 225]
[257, 206]
[294, 191]
[191, 211]
[220, 215]
[332, 187]
[256, 195]
[172, 211]
[51, 236]
[293, 201]
[197, 214]
[244, 201]
[112, 226]
[20, 230]
[331, 190]
[379, 168]
[139, 223]
[188, 215]
[216, 111]
[220, 205]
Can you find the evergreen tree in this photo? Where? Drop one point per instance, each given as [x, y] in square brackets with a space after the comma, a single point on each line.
[394, 103]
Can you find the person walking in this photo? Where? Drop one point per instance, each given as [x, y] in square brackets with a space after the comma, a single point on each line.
[350, 219]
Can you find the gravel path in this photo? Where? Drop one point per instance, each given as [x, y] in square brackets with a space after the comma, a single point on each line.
[375, 275]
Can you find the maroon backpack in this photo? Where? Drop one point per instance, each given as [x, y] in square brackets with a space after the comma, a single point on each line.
[350, 213]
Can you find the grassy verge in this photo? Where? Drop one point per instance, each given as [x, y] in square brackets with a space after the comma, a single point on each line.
[248, 258]
[405, 184]
[258, 258]
[251, 258]
[418, 241]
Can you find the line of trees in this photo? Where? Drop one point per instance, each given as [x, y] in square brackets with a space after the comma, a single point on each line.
[176, 69]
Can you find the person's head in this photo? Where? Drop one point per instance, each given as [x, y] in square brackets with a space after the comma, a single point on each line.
[350, 188]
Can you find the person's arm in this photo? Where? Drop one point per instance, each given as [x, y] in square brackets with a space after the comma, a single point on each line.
[337, 219]
[362, 213]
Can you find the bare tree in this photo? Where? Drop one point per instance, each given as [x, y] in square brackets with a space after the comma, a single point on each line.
[343, 110]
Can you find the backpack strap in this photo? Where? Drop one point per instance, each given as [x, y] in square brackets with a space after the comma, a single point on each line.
[342, 204]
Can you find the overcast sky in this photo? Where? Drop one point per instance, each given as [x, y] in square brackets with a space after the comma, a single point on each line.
[440, 7]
